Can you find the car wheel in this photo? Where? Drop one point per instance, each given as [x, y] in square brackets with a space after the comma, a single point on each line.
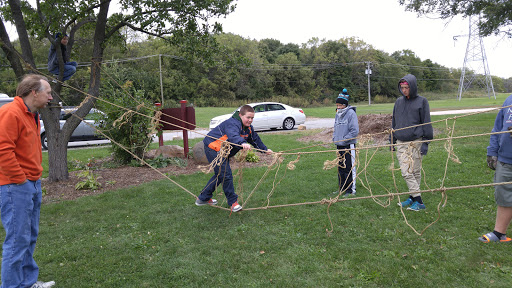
[44, 141]
[288, 123]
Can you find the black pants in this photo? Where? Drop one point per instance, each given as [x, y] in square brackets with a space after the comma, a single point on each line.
[346, 169]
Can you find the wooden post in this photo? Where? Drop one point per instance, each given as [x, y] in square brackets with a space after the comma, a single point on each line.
[160, 132]
[185, 132]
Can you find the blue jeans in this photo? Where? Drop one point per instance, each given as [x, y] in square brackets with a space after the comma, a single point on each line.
[20, 207]
[69, 70]
[222, 174]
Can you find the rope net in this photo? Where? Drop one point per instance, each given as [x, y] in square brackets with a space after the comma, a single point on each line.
[293, 171]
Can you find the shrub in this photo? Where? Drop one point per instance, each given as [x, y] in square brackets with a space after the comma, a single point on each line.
[131, 127]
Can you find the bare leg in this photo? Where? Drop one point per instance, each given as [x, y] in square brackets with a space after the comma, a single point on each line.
[503, 218]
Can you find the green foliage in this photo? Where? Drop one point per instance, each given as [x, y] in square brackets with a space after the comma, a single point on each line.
[161, 162]
[90, 181]
[75, 165]
[247, 156]
[495, 15]
[252, 157]
[130, 126]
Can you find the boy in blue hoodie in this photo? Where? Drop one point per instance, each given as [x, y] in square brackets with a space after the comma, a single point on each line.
[53, 60]
[237, 130]
[346, 129]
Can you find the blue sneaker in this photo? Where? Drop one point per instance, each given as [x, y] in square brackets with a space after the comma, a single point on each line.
[416, 206]
[406, 203]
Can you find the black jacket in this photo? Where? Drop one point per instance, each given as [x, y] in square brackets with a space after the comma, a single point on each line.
[410, 112]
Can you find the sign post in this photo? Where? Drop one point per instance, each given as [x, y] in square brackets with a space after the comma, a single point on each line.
[185, 132]
[183, 118]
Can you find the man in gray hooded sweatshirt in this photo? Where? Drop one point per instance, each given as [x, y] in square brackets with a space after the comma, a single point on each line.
[410, 115]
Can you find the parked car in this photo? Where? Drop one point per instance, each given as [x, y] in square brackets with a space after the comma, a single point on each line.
[4, 99]
[269, 115]
[83, 131]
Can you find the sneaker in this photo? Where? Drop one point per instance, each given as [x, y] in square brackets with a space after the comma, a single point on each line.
[416, 206]
[41, 284]
[236, 207]
[209, 202]
[348, 195]
[406, 203]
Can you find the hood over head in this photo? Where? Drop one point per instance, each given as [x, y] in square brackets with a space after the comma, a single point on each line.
[413, 87]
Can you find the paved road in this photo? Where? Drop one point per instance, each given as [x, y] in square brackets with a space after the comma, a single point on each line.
[311, 123]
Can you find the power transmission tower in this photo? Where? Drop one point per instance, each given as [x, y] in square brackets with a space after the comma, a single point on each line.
[475, 62]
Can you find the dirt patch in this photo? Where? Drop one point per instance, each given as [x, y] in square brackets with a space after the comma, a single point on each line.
[374, 124]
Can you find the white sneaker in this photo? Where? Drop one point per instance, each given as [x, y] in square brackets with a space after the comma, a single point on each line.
[236, 207]
[209, 202]
[41, 284]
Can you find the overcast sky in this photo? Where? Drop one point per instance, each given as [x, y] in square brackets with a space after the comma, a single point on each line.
[382, 23]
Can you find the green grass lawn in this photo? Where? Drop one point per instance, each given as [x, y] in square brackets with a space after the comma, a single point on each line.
[154, 236]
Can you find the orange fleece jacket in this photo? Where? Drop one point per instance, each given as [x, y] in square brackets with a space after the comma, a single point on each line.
[20, 144]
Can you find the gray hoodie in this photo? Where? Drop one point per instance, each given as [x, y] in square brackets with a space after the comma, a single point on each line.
[345, 126]
[409, 112]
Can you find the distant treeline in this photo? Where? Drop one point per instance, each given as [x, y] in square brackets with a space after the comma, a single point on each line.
[248, 70]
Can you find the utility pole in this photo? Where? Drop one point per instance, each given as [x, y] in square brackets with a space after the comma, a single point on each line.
[475, 54]
[368, 72]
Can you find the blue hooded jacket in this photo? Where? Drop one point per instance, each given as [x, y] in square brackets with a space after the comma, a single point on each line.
[53, 61]
[500, 145]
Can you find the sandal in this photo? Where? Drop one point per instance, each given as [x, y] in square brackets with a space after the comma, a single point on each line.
[491, 237]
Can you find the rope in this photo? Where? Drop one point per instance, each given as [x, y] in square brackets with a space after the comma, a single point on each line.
[278, 159]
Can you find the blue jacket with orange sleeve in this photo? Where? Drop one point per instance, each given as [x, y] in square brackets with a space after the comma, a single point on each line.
[233, 131]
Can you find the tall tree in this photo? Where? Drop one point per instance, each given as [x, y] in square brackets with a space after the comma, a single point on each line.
[184, 23]
[494, 15]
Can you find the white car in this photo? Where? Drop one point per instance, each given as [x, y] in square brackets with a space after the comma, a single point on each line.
[269, 115]
[4, 99]
[83, 131]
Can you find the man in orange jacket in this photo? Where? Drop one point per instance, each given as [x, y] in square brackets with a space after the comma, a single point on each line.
[20, 184]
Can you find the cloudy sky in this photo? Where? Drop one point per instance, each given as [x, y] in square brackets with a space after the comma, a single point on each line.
[382, 23]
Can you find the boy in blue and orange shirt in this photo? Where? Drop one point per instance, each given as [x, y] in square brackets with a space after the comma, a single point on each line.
[235, 130]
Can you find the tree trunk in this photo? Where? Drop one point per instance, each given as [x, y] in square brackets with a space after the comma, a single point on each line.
[57, 159]
[10, 52]
[58, 138]
[19, 22]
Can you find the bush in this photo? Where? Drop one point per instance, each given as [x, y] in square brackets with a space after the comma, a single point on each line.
[131, 127]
